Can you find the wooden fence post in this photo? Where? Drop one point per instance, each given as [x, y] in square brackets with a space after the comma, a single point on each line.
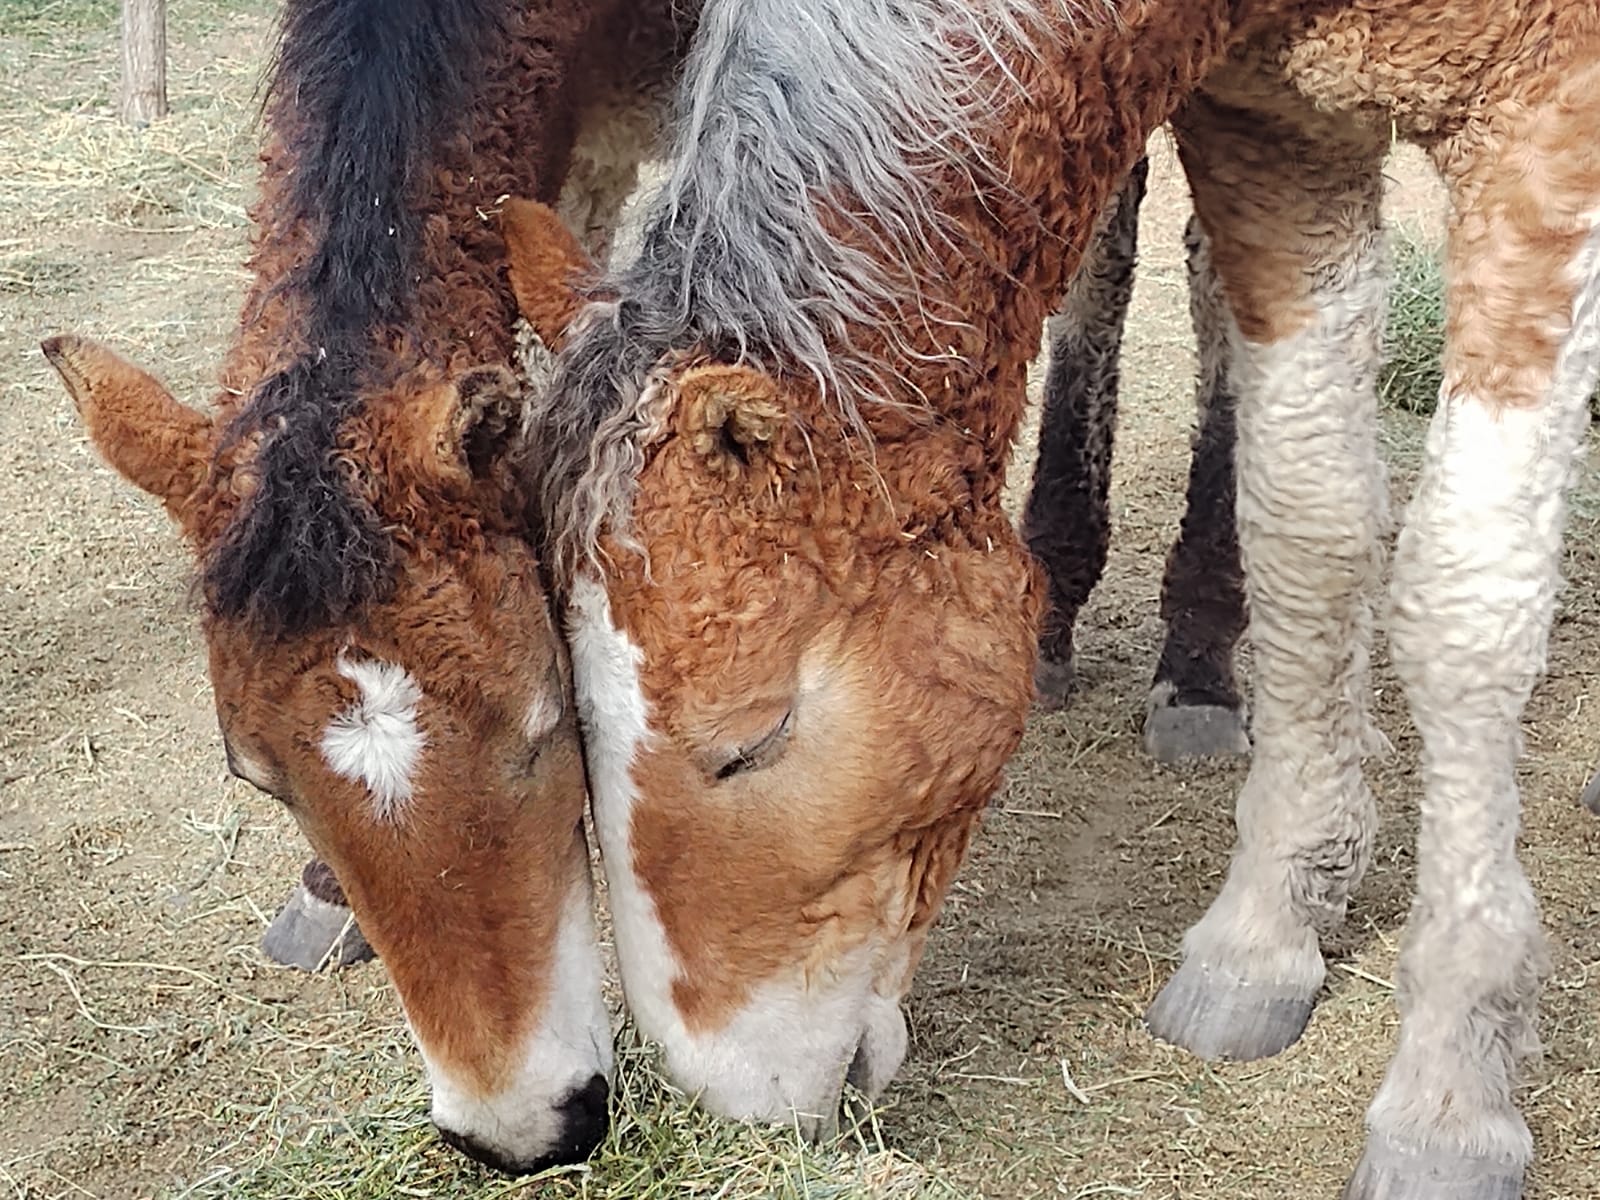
[143, 96]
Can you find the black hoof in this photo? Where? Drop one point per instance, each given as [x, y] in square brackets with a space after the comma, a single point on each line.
[1053, 679]
[1591, 795]
[1175, 733]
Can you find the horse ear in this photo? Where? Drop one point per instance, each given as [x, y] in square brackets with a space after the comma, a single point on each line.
[152, 440]
[545, 261]
[733, 415]
[474, 421]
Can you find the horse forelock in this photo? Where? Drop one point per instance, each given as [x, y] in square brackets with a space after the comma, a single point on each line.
[303, 549]
[814, 138]
[360, 95]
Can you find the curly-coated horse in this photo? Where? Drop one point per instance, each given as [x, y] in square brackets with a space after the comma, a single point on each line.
[382, 652]
[803, 632]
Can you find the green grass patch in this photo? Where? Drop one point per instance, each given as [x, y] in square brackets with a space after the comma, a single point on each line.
[659, 1147]
[1413, 340]
[52, 18]
[1414, 336]
[57, 19]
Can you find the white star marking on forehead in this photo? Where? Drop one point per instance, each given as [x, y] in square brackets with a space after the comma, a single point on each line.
[376, 741]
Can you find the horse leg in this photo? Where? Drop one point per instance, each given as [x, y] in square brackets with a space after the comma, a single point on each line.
[1195, 709]
[1067, 522]
[1477, 568]
[1297, 246]
[315, 927]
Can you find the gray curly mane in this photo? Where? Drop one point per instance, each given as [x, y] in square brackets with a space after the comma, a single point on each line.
[789, 110]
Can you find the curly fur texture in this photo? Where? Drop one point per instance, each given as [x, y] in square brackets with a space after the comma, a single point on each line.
[809, 137]
[472, 769]
[362, 93]
[879, 608]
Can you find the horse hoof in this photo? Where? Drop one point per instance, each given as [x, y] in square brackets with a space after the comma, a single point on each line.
[1173, 733]
[1389, 1172]
[1591, 795]
[310, 934]
[1218, 1016]
[1052, 683]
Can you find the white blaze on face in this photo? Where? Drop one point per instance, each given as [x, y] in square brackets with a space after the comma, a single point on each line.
[569, 1044]
[376, 741]
[784, 1055]
[612, 709]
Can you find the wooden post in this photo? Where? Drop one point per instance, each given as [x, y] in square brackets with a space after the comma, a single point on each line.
[143, 97]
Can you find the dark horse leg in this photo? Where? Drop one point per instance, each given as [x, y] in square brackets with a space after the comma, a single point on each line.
[315, 927]
[1067, 521]
[1194, 706]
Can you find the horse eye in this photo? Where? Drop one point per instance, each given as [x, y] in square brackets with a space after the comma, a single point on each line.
[759, 754]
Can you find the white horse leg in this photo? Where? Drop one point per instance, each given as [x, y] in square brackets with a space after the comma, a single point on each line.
[1296, 244]
[1476, 576]
[619, 132]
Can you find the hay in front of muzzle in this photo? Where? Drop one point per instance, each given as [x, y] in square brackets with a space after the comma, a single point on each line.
[659, 1146]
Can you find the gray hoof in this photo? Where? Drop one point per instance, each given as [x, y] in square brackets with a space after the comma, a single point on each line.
[311, 934]
[1390, 1172]
[1052, 683]
[1216, 1016]
[1173, 733]
[1591, 795]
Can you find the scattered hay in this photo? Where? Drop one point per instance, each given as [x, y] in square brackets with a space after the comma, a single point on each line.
[53, 18]
[39, 275]
[230, 1080]
[659, 1146]
[66, 159]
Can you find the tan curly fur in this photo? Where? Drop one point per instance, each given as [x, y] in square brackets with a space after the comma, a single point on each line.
[462, 894]
[869, 600]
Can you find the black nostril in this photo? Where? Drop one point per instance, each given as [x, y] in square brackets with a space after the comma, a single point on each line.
[587, 1117]
[479, 1153]
[584, 1118]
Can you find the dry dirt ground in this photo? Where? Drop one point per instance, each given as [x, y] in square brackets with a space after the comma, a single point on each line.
[145, 1049]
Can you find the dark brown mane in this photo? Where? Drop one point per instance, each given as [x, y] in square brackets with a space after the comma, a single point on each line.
[363, 95]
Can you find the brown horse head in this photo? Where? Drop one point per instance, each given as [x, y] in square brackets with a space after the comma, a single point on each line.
[382, 652]
[800, 669]
[427, 748]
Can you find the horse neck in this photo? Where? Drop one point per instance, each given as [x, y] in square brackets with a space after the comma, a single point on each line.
[513, 140]
[1076, 127]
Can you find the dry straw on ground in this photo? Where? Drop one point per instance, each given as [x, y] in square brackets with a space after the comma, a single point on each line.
[146, 1050]
[659, 1147]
